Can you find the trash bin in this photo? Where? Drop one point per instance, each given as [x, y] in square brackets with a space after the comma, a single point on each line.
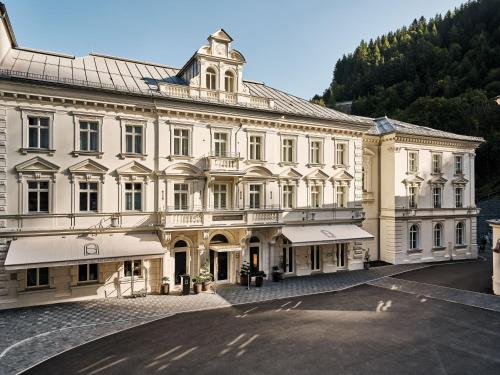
[186, 284]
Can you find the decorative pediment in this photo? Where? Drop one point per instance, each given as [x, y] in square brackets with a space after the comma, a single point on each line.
[37, 167]
[317, 174]
[413, 180]
[461, 180]
[343, 176]
[290, 174]
[134, 168]
[438, 180]
[182, 169]
[88, 167]
[221, 35]
[258, 172]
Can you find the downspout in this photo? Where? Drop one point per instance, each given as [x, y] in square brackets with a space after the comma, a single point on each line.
[379, 193]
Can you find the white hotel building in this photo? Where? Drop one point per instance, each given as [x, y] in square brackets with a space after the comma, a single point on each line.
[108, 163]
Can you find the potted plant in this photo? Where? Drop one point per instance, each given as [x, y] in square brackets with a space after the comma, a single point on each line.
[277, 274]
[197, 284]
[366, 263]
[259, 278]
[244, 273]
[206, 276]
[165, 286]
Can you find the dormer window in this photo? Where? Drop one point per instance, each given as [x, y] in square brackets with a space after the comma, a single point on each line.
[211, 79]
[229, 82]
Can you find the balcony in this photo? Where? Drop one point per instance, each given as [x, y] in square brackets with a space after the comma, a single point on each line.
[222, 162]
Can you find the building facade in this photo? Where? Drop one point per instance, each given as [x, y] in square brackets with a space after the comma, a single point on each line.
[118, 173]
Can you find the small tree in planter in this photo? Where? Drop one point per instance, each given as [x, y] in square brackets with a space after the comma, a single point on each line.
[197, 284]
[366, 263]
[244, 273]
[259, 278]
[165, 286]
[277, 274]
[206, 276]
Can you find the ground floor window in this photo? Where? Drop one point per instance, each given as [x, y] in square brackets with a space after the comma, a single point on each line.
[135, 265]
[37, 277]
[315, 258]
[414, 237]
[438, 235]
[87, 272]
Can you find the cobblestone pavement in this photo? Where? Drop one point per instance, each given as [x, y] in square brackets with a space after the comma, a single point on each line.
[464, 297]
[30, 335]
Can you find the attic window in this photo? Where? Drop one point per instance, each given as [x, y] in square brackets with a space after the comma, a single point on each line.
[229, 82]
[210, 76]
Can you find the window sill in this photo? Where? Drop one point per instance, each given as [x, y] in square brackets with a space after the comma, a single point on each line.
[310, 165]
[87, 153]
[31, 150]
[180, 157]
[341, 166]
[251, 161]
[414, 251]
[441, 248]
[125, 155]
[288, 163]
[460, 247]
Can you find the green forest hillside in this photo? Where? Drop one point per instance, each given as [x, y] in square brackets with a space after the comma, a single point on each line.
[442, 73]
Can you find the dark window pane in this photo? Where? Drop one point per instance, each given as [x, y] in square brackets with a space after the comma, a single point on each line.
[93, 142]
[83, 141]
[33, 137]
[83, 185]
[127, 268]
[83, 125]
[44, 201]
[137, 201]
[32, 120]
[32, 184]
[83, 202]
[93, 185]
[93, 125]
[138, 130]
[32, 201]
[137, 186]
[93, 202]
[128, 201]
[128, 129]
[128, 186]
[137, 268]
[82, 272]
[44, 138]
[138, 144]
[44, 121]
[44, 184]
[31, 277]
[128, 142]
[93, 271]
[43, 276]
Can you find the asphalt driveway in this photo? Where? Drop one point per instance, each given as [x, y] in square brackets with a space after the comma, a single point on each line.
[357, 331]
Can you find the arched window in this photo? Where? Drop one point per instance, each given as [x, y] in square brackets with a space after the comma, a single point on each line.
[181, 243]
[459, 234]
[438, 235]
[414, 237]
[219, 238]
[254, 240]
[211, 78]
[229, 82]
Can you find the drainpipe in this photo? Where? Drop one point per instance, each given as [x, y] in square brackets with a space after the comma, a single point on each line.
[379, 193]
[236, 138]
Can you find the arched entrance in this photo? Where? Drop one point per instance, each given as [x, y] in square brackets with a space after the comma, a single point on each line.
[254, 252]
[181, 249]
[219, 259]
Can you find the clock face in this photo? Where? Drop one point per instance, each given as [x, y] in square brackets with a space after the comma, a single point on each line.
[220, 50]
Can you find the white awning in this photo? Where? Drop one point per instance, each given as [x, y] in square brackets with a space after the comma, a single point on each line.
[225, 247]
[324, 234]
[52, 251]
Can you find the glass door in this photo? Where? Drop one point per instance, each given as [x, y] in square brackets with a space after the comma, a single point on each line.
[288, 260]
[341, 255]
[315, 258]
[180, 266]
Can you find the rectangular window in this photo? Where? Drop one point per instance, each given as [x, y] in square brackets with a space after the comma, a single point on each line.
[136, 265]
[413, 162]
[436, 197]
[288, 196]
[88, 196]
[315, 258]
[181, 196]
[315, 196]
[220, 144]
[37, 277]
[133, 139]
[38, 132]
[288, 150]
[459, 202]
[255, 147]
[341, 196]
[459, 165]
[133, 197]
[316, 152]
[87, 272]
[38, 196]
[220, 196]
[89, 136]
[340, 153]
[255, 194]
[436, 163]
[181, 142]
[412, 197]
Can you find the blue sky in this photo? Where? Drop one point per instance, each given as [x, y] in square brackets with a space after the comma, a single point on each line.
[291, 45]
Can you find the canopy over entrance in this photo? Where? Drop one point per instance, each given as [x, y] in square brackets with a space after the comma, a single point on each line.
[52, 251]
[324, 234]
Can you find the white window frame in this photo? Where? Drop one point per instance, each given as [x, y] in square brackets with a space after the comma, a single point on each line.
[38, 285]
[437, 163]
[229, 80]
[35, 112]
[435, 243]
[319, 193]
[462, 234]
[133, 192]
[414, 241]
[88, 191]
[260, 193]
[211, 78]
[456, 196]
[413, 197]
[288, 196]
[437, 199]
[345, 153]
[134, 122]
[413, 163]
[289, 150]
[217, 194]
[320, 151]
[181, 192]
[87, 280]
[343, 192]
[456, 158]
[252, 147]
[79, 117]
[217, 141]
[133, 265]
[39, 190]
[315, 260]
[182, 141]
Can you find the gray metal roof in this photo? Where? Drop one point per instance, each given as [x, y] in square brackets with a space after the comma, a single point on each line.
[385, 125]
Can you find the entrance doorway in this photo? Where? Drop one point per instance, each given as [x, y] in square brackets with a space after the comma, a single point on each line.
[315, 258]
[180, 265]
[219, 265]
[288, 257]
[341, 255]
[254, 255]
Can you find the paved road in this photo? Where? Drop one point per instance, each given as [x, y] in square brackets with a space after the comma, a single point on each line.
[473, 276]
[357, 331]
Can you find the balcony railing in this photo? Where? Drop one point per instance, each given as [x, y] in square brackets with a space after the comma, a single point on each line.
[222, 162]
